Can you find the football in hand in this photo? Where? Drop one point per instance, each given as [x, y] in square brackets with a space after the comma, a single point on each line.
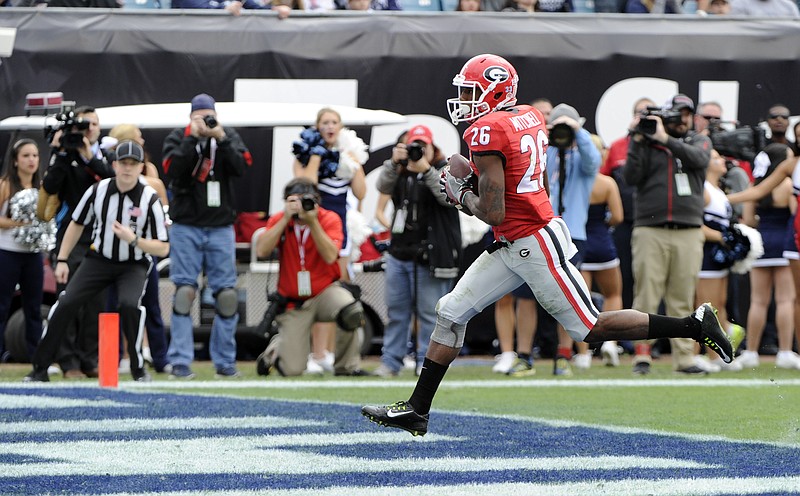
[459, 166]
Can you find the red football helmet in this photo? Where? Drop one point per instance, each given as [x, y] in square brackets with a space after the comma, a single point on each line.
[493, 81]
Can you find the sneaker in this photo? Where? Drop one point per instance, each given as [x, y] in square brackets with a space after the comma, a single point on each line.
[400, 415]
[711, 333]
[521, 368]
[734, 366]
[505, 361]
[787, 360]
[409, 362]
[384, 371]
[582, 361]
[641, 368]
[181, 372]
[141, 376]
[163, 369]
[266, 359]
[562, 367]
[610, 353]
[692, 370]
[748, 359]
[37, 375]
[313, 367]
[736, 333]
[702, 362]
[124, 366]
[227, 373]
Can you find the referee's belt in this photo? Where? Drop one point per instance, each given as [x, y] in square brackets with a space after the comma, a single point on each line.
[674, 226]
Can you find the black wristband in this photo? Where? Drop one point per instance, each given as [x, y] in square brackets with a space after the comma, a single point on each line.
[62, 260]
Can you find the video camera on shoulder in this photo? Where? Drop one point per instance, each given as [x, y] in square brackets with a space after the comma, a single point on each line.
[742, 142]
[649, 126]
[72, 127]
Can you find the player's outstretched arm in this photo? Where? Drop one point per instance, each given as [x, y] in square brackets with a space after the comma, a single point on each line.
[489, 205]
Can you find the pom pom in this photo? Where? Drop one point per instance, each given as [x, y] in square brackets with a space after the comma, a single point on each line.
[352, 153]
[36, 235]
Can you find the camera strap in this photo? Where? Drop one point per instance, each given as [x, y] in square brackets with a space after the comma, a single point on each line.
[205, 162]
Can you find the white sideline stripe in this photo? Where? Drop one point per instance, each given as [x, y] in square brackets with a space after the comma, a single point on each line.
[383, 384]
[155, 424]
[9, 401]
[630, 487]
[277, 454]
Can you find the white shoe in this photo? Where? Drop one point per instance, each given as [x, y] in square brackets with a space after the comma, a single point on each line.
[124, 366]
[148, 357]
[328, 361]
[384, 371]
[53, 370]
[787, 360]
[610, 354]
[505, 361]
[748, 359]
[703, 363]
[409, 362]
[313, 367]
[582, 361]
[734, 366]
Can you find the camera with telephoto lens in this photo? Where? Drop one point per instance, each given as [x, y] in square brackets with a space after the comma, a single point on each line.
[742, 143]
[72, 127]
[210, 120]
[276, 306]
[649, 126]
[415, 153]
[561, 136]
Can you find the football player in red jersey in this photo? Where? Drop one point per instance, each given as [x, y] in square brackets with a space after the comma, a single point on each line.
[507, 144]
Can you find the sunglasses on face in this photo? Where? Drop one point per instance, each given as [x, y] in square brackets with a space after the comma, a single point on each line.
[779, 116]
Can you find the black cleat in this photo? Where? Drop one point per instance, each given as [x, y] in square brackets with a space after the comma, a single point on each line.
[711, 333]
[400, 415]
[37, 375]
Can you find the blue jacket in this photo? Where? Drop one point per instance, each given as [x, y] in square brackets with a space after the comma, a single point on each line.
[582, 164]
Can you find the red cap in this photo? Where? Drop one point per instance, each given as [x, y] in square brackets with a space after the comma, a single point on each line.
[420, 133]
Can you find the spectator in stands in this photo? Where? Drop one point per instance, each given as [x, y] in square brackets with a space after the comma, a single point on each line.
[72, 171]
[386, 5]
[469, 6]
[423, 257]
[712, 285]
[771, 271]
[308, 238]
[155, 346]
[128, 224]
[359, 5]
[667, 239]
[600, 263]
[778, 123]
[234, 7]
[653, 7]
[765, 8]
[614, 166]
[714, 7]
[201, 162]
[20, 261]
[555, 6]
[572, 164]
[522, 6]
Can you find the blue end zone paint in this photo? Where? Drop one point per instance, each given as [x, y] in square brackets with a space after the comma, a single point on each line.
[478, 437]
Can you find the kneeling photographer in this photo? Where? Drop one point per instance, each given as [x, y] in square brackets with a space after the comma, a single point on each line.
[423, 256]
[308, 238]
[667, 165]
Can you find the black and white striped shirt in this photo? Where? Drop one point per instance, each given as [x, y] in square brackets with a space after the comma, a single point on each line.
[140, 209]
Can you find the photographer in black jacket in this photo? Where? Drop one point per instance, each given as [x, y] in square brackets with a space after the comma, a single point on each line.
[77, 162]
[423, 257]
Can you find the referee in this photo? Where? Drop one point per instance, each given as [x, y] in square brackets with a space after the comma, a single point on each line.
[128, 225]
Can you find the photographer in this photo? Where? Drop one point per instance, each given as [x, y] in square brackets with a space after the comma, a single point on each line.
[76, 163]
[667, 165]
[423, 257]
[201, 162]
[308, 238]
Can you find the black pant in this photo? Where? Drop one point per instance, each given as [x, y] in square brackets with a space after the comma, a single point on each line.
[95, 274]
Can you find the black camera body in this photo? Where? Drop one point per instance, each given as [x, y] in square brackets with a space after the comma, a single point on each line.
[211, 121]
[72, 128]
[308, 201]
[742, 143]
[649, 126]
[415, 153]
[561, 136]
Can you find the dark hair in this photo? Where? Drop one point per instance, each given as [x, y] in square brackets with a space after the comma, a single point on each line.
[11, 176]
[301, 186]
[777, 154]
[84, 109]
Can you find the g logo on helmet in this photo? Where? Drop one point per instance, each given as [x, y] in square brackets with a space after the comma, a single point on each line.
[496, 74]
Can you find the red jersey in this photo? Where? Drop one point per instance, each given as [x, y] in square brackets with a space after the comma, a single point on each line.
[322, 273]
[518, 134]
